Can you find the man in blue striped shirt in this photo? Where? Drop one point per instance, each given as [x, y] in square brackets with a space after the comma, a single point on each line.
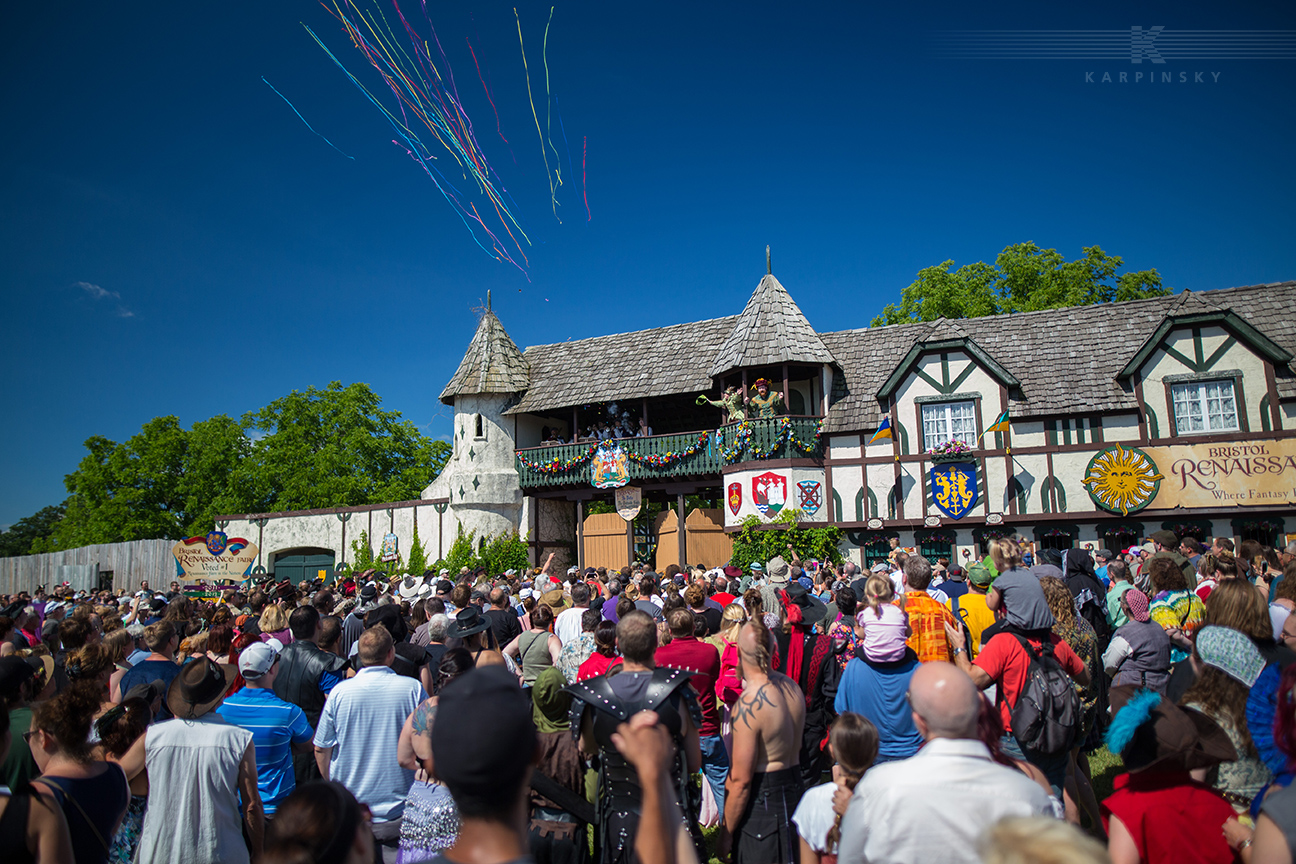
[278, 728]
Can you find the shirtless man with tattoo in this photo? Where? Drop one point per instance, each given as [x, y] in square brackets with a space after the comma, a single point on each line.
[764, 783]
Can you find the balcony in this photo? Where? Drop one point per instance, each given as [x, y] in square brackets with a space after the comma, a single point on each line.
[678, 455]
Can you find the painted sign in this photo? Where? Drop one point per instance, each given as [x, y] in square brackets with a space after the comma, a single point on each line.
[609, 467]
[216, 557]
[735, 497]
[1122, 479]
[769, 492]
[1246, 473]
[390, 549]
[628, 500]
[809, 496]
[954, 488]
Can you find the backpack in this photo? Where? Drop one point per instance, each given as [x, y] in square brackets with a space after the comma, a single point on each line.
[1047, 717]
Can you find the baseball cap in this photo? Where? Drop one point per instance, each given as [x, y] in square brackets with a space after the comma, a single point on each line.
[981, 575]
[1168, 539]
[13, 672]
[1105, 554]
[255, 660]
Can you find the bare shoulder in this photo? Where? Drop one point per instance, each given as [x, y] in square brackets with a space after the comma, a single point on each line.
[754, 701]
[787, 688]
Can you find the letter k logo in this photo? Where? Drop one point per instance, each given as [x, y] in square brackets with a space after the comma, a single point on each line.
[1143, 44]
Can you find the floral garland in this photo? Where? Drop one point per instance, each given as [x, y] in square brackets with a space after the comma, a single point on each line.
[785, 433]
[1057, 532]
[936, 537]
[1259, 525]
[953, 447]
[1185, 529]
[664, 460]
[556, 465]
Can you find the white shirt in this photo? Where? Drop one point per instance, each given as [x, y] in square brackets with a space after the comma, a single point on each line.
[567, 626]
[935, 805]
[814, 816]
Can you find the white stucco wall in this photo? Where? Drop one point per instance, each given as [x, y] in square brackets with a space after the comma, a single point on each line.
[1237, 357]
[793, 476]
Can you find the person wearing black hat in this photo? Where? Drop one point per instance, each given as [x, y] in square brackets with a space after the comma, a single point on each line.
[202, 777]
[808, 659]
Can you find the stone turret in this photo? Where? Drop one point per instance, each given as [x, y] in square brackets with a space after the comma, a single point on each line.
[480, 480]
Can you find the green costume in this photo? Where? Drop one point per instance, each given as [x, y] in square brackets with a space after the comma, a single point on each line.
[731, 403]
[765, 406]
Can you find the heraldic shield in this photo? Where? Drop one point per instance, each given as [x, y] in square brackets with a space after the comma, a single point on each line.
[954, 488]
[735, 497]
[769, 492]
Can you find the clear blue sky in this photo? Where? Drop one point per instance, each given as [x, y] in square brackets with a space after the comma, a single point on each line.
[237, 256]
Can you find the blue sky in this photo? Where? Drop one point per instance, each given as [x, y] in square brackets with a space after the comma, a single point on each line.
[176, 241]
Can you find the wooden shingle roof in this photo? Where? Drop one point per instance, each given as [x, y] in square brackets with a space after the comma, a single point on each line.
[639, 365]
[1067, 360]
[770, 330]
[492, 364]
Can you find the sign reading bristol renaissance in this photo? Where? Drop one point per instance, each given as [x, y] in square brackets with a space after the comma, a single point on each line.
[1246, 473]
[214, 558]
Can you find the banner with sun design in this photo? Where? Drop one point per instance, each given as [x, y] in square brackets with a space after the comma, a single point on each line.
[1122, 479]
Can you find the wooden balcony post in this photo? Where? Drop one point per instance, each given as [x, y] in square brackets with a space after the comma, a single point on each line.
[681, 531]
[630, 543]
[580, 534]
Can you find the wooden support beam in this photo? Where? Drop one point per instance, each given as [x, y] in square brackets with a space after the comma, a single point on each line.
[580, 534]
[682, 531]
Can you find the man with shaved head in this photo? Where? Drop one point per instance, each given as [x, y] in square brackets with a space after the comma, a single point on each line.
[890, 813]
[764, 783]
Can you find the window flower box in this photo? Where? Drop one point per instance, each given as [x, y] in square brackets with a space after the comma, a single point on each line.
[951, 451]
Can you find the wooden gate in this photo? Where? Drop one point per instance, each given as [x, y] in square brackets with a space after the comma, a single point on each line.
[605, 541]
[705, 541]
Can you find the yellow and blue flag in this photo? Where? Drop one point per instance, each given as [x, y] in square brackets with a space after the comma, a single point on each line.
[883, 431]
[1000, 424]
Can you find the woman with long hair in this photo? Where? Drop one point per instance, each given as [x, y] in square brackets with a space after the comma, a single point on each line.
[94, 794]
[219, 640]
[853, 744]
[274, 624]
[1227, 664]
[118, 730]
[1177, 609]
[32, 827]
[842, 631]
[431, 822]
[119, 644]
[1079, 635]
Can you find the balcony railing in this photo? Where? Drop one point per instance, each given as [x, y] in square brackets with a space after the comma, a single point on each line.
[682, 454]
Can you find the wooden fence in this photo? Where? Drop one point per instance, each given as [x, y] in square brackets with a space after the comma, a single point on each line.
[605, 541]
[126, 564]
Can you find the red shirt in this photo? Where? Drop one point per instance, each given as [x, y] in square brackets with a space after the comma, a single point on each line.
[595, 666]
[1005, 660]
[1172, 818]
[701, 658]
[723, 599]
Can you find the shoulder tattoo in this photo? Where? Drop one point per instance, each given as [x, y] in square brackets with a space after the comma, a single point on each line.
[750, 703]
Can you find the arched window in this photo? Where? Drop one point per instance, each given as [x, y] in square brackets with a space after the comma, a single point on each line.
[481, 427]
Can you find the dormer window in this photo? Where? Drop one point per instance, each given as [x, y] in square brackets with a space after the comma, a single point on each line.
[1204, 406]
[949, 421]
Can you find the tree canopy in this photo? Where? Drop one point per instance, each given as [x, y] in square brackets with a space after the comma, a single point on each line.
[1024, 278]
[315, 448]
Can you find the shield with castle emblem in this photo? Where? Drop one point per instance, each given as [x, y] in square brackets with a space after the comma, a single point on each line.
[954, 488]
[769, 492]
[735, 497]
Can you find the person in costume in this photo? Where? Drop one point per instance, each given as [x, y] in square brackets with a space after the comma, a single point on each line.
[731, 402]
[766, 401]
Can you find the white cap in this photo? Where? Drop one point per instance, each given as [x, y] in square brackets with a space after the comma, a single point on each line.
[526, 594]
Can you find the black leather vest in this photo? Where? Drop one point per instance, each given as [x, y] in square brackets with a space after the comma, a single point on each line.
[300, 665]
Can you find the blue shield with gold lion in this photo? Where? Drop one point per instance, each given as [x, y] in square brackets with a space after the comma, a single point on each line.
[954, 488]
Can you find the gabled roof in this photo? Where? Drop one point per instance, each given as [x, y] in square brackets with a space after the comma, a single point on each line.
[640, 365]
[1066, 360]
[944, 335]
[1193, 310]
[771, 329]
[492, 363]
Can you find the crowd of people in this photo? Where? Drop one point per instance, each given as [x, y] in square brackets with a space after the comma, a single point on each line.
[915, 712]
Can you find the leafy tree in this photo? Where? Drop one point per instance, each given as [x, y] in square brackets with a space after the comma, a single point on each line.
[1024, 278]
[508, 551]
[462, 554]
[362, 554]
[335, 447]
[30, 535]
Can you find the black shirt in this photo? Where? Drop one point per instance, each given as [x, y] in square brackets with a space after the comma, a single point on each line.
[505, 626]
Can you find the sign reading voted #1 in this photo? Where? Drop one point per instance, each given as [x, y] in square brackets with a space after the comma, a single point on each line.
[769, 492]
[954, 488]
[214, 558]
[609, 468]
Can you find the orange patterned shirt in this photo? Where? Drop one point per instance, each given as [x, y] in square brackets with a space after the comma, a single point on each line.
[927, 618]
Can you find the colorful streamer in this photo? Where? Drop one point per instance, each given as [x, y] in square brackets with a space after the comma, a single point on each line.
[303, 119]
[553, 192]
[584, 193]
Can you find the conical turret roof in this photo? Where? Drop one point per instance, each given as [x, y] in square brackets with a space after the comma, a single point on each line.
[492, 364]
[770, 330]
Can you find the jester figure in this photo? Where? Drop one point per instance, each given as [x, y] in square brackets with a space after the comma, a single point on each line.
[766, 401]
[731, 402]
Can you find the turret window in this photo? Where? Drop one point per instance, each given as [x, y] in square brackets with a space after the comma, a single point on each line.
[480, 426]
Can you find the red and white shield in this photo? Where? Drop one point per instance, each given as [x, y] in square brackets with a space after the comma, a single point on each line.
[769, 492]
